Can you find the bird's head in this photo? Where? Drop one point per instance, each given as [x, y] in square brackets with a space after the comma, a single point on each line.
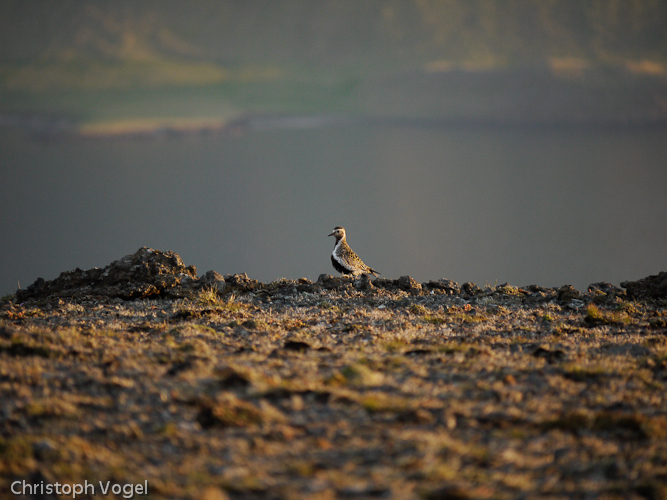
[338, 233]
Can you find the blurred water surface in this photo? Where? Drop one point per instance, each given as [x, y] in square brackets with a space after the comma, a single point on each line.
[488, 205]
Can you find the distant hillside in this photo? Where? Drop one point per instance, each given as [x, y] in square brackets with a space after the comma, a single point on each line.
[106, 44]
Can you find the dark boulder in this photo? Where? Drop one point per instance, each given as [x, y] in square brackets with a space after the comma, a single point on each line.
[470, 289]
[449, 287]
[364, 283]
[329, 282]
[213, 280]
[605, 293]
[538, 294]
[654, 286]
[241, 282]
[145, 273]
[567, 293]
[409, 284]
[605, 287]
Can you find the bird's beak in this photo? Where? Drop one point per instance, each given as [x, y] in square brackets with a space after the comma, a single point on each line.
[330, 234]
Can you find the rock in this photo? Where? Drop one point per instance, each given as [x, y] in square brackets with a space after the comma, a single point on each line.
[214, 280]
[145, 273]
[45, 449]
[604, 293]
[470, 289]
[241, 282]
[323, 279]
[575, 304]
[539, 294]
[567, 293]
[386, 283]
[364, 283]
[450, 287]
[334, 282]
[536, 289]
[408, 284]
[654, 286]
[304, 285]
[605, 287]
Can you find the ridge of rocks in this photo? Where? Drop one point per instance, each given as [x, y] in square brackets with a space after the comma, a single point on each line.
[150, 273]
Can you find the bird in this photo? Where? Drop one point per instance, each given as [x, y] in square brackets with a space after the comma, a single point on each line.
[344, 259]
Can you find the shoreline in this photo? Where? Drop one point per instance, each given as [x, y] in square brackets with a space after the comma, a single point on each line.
[63, 129]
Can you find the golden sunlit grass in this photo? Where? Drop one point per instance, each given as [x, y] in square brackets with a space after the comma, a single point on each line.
[208, 296]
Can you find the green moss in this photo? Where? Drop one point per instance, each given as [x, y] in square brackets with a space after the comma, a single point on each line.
[434, 320]
[328, 306]
[454, 347]
[395, 345]
[470, 318]
[170, 430]
[630, 308]
[358, 375]
[508, 290]
[417, 309]
[381, 402]
[302, 468]
[582, 373]
[595, 316]
[356, 327]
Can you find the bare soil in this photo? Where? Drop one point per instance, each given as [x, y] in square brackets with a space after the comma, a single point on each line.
[295, 390]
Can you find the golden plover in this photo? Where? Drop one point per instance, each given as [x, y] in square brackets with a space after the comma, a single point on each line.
[344, 259]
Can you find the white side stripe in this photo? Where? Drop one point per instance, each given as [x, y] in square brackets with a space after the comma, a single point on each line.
[342, 262]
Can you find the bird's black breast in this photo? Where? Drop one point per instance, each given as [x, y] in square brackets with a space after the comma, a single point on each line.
[338, 267]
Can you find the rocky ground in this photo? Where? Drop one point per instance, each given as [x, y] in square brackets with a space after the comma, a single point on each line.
[223, 387]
